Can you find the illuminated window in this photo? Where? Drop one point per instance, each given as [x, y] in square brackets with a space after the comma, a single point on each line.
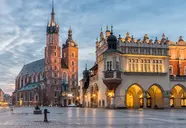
[170, 70]
[160, 68]
[64, 54]
[185, 70]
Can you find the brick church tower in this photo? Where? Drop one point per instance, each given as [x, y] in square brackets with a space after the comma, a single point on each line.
[52, 65]
[70, 57]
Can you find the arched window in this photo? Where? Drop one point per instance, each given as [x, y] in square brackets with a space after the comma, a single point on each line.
[55, 75]
[73, 54]
[65, 78]
[73, 64]
[25, 79]
[34, 77]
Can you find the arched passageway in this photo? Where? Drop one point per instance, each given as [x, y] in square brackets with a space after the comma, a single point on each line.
[178, 96]
[155, 96]
[134, 96]
[94, 95]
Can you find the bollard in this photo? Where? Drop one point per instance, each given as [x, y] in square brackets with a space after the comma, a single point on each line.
[45, 115]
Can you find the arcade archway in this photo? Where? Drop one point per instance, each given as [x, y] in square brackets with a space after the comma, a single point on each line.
[178, 96]
[155, 96]
[94, 95]
[134, 96]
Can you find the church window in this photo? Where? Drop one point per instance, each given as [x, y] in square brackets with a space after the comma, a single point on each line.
[72, 69]
[55, 53]
[55, 61]
[55, 74]
[55, 68]
[64, 54]
[73, 54]
[73, 63]
[64, 77]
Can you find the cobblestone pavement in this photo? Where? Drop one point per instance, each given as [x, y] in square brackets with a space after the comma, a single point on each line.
[23, 117]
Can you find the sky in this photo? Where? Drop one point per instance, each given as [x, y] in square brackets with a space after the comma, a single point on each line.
[23, 27]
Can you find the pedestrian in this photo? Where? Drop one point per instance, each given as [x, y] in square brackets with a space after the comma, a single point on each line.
[12, 109]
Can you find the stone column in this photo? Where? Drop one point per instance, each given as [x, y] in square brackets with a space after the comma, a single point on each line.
[145, 102]
[105, 64]
[145, 99]
[166, 99]
[112, 104]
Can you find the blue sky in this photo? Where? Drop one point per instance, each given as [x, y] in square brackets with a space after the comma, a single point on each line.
[23, 27]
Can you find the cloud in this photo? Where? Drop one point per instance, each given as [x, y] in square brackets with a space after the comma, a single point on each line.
[23, 27]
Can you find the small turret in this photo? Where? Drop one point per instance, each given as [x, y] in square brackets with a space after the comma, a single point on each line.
[70, 34]
[107, 32]
[101, 35]
[112, 40]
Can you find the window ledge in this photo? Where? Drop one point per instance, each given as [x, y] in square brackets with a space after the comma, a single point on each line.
[146, 73]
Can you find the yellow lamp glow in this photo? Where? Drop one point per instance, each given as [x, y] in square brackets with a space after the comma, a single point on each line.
[94, 95]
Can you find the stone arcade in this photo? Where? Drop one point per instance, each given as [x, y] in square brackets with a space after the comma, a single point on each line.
[135, 73]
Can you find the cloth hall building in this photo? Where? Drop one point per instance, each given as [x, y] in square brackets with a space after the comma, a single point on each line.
[54, 79]
[135, 73]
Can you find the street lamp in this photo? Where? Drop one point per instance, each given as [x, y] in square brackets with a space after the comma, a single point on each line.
[94, 95]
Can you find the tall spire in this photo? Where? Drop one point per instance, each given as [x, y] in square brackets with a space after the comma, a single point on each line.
[52, 14]
[86, 67]
[70, 34]
[52, 6]
[111, 30]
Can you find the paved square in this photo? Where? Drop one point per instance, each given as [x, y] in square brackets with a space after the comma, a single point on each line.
[23, 117]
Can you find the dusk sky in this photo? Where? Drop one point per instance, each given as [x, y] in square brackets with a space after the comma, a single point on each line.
[23, 27]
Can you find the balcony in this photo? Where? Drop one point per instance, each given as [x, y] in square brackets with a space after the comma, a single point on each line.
[112, 79]
[177, 78]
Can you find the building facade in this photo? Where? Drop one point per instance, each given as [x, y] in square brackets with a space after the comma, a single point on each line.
[1, 95]
[54, 79]
[135, 73]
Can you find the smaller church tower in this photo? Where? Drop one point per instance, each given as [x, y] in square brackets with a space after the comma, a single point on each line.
[70, 57]
[52, 66]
